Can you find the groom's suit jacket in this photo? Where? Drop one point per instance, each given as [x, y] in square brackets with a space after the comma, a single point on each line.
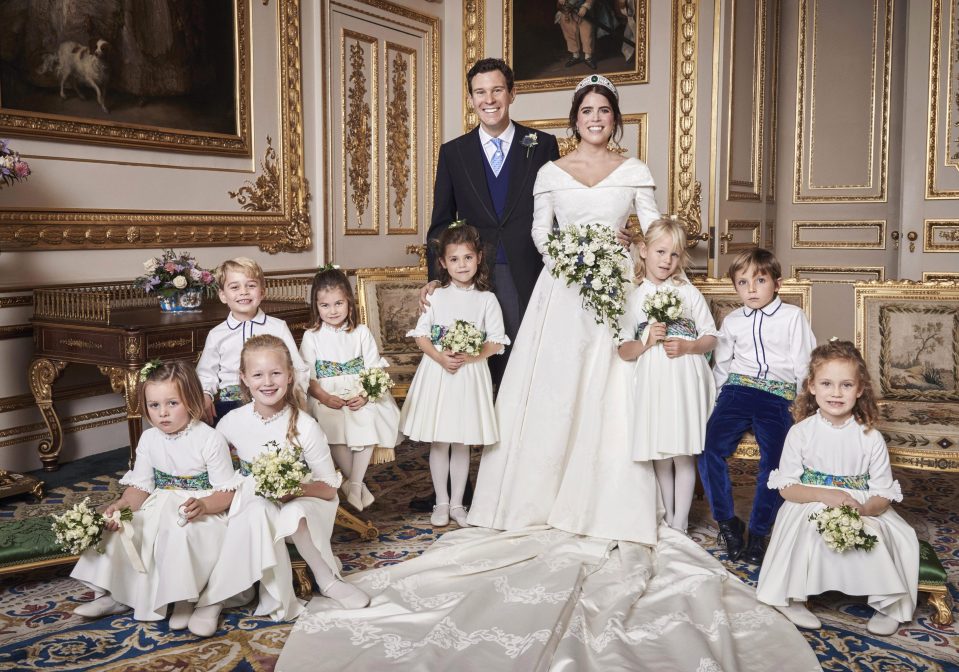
[461, 192]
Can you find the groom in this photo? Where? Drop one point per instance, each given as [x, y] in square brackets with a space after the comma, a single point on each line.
[486, 177]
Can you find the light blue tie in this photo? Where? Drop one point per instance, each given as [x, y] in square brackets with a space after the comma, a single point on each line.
[496, 163]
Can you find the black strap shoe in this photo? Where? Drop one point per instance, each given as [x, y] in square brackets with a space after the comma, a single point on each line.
[731, 537]
[573, 60]
[755, 549]
[590, 62]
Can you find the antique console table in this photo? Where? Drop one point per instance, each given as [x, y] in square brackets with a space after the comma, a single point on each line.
[118, 328]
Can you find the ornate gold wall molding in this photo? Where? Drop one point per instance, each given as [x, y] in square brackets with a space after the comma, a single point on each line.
[876, 226]
[875, 188]
[774, 107]
[750, 187]
[360, 113]
[940, 235]
[732, 241]
[15, 301]
[474, 47]
[940, 276]
[855, 274]
[15, 331]
[943, 76]
[685, 190]
[401, 148]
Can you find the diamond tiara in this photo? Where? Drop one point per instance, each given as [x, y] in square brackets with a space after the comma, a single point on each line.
[589, 80]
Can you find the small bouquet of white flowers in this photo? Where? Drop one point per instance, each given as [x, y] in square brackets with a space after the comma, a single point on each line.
[82, 527]
[463, 337]
[841, 528]
[663, 305]
[278, 472]
[376, 382]
[591, 257]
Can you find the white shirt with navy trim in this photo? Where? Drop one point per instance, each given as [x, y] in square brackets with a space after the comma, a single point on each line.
[773, 342]
[219, 364]
[489, 148]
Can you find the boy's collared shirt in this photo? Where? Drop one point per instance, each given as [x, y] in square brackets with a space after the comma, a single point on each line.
[219, 364]
[774, 342]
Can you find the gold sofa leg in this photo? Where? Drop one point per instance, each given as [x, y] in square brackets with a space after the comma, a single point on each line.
[366, 530]
[941, 602]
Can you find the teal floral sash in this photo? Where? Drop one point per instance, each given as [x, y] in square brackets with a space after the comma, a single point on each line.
[328, 369]
[229, 393]
[165, 481]
[813, 477]
[438, 331]
[681, 328]
[779, 388]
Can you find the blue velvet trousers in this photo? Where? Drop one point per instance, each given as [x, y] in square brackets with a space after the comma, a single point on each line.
[224, 407]
[737, 410]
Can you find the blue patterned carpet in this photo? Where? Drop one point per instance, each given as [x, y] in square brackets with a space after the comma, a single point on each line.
[38, 630]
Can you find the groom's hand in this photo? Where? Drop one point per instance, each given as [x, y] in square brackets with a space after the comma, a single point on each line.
[624, 236]
[425, 291]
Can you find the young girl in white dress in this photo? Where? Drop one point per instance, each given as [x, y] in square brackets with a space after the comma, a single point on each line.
[179, 488]
[834, 456]
[336, 349]
[254, 548]
[450, 402]
[672, 390]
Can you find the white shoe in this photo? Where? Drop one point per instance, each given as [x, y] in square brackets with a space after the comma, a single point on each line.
[180, 618]
[100, 607]
[366, 496]
[458, 514]
[441, 515]
[355, 496]
[204, 621]
[882, 625]
[800, 616]
[348, 595]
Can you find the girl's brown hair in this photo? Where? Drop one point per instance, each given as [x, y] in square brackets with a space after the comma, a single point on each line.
[325, 280]
[184, 377]
[293, 397]
[671, 228]
[866, 411]
[462, 234]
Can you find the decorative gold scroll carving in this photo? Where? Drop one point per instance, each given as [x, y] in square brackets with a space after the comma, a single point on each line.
[15, 301]
[401, 138]
[685, 191]
[941, 235]
[360, 121]
[474, 46]
[288, 229]
[41, 375]
[263, 195]
[81, 343]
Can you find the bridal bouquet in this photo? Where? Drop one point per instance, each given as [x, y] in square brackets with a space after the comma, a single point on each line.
[663, 305]
[12, 167]
[842, 529]
[463, 337]
[82, 527]
[171, 273]
[591, 257]
[278, 472]
[376, 382]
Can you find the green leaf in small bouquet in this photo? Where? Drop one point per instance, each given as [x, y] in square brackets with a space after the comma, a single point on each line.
[278, 472]
[664, 305]
[463, 337]
[376, 382]
[842, 529]
[79, 528]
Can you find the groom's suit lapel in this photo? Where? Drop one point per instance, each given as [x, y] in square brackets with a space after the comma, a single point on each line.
[520, 170]
[472, 158]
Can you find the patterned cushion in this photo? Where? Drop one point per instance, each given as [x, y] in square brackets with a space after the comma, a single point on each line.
[28, 540]
[931, 570]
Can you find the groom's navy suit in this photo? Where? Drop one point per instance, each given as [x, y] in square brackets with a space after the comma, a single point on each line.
[500, 208]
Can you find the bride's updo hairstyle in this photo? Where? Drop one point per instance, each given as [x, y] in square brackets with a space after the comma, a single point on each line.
[461, 233]
[613, 104]
[674, 231]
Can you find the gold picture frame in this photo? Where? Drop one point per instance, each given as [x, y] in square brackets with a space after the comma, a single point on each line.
[235, 201]
[908, 334]
[542, 37]
[388, 300]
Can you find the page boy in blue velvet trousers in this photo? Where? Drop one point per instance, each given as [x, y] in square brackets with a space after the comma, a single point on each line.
[761, 358]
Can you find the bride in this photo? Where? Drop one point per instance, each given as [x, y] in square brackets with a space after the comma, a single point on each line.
[568, 567]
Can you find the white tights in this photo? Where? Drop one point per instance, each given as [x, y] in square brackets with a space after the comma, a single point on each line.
[449, 460]
[677, 481]
[311, 554]
[353, 463]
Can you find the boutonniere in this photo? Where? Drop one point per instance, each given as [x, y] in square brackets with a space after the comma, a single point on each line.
[529, 141]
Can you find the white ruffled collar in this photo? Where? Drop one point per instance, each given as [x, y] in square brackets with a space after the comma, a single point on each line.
[183, 432]
[272, 418]
[851, 418]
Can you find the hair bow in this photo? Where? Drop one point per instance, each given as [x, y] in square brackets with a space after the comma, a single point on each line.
[328, 267]
[149, 368]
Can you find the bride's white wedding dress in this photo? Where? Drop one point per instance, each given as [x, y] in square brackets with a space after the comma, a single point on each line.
[582, 578]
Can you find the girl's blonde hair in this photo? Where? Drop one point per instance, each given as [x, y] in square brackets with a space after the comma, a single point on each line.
[293, 397]
[865, 410]
[184, 377]
[676, 232]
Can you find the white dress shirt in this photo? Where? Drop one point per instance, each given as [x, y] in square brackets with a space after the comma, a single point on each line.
[773, 342]
[489, 148]
[219, 365]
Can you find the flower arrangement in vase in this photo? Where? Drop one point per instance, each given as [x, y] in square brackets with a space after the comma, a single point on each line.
[12, 167]
[177, 280]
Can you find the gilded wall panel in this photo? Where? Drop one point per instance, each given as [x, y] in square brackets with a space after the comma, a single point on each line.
[401, 177]
[359, 97]
[836, 234]
[942, 154]
[474, 48]
[839, 274]
[740, 235]
[940, 235]
[747, 85]
[842, 130]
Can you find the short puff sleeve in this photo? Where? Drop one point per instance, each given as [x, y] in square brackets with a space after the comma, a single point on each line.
[791, 463]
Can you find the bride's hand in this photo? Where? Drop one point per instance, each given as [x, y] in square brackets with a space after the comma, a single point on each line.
[624, 237]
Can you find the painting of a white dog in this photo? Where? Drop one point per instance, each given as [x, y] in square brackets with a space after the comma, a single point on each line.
[78, 66]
